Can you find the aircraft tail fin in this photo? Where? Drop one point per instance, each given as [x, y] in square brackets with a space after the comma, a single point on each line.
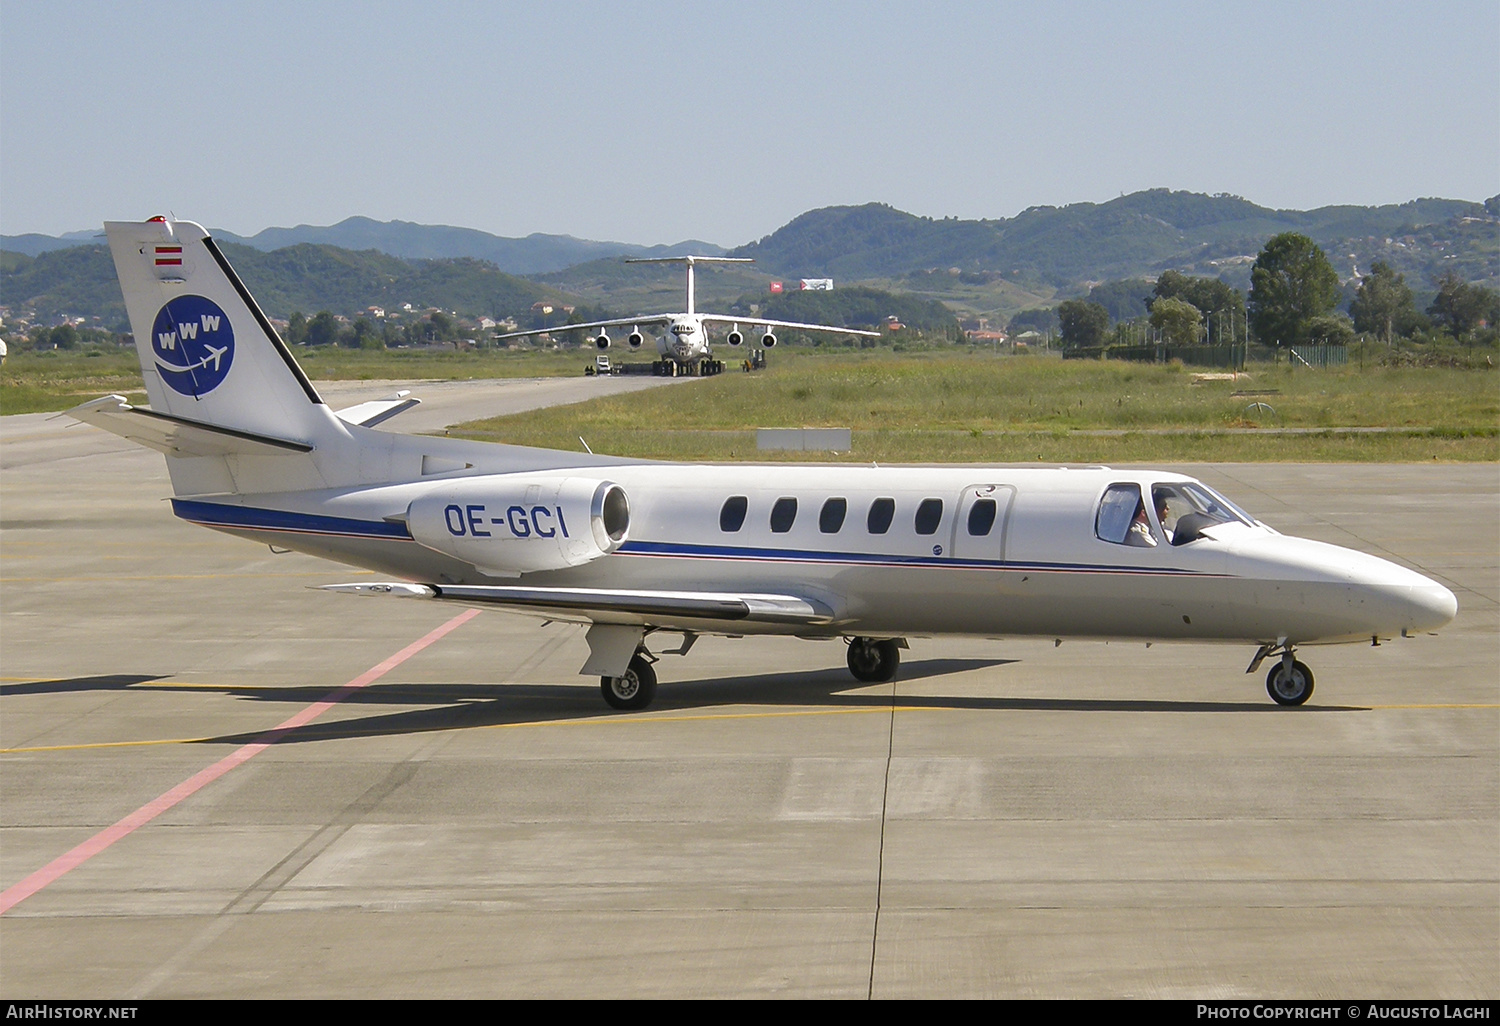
[208, 353]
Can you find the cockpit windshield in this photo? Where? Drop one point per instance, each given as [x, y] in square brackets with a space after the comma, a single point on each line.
[1186, 509]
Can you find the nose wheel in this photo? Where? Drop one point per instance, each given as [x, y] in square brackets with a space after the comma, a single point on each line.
[1290, 682]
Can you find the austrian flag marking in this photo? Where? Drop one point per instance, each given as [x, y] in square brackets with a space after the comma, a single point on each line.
[168, 256]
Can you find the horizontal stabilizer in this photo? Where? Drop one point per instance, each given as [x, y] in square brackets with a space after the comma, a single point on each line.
[378, 411]
[178, 436]
[585, 602]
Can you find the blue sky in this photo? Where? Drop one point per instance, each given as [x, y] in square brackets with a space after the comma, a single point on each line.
[653, 122]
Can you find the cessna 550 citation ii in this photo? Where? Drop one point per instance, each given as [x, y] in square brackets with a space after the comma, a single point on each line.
[635, 547]
[684, 345]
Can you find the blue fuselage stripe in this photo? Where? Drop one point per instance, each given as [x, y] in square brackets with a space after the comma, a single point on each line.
[254, 518]
[684, 551]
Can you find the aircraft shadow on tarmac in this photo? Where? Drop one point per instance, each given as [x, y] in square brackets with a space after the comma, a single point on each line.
[102, 682]
[467, 706]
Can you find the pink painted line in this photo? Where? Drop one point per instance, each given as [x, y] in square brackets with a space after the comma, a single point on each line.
[63, 864]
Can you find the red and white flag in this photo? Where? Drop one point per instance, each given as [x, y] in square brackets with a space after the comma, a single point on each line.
[168, 256]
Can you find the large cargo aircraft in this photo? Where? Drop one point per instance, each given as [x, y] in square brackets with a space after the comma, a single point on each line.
[637, 548]
[684, 345]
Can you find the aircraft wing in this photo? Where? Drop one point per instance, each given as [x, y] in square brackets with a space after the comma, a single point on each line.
[715, 318]
[618, 322]
[608, 605]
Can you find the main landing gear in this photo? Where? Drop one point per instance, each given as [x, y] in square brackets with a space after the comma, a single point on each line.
[635, 688]
[874, 661]
[1290, 682]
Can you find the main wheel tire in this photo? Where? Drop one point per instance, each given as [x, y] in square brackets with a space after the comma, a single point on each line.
[873, 661]
[1289, 687]
[634, 689]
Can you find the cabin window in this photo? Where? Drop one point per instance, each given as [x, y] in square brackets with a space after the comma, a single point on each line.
[981, 517]
[732, 516]
[1122, 517]
[929, 513]
[831, 519]
[782, 514]
[882, 511]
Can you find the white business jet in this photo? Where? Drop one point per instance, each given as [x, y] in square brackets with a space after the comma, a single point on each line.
[634, 548]
[683, 345]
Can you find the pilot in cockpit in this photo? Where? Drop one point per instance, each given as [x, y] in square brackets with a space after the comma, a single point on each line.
[1164, 514]
[1140, 528]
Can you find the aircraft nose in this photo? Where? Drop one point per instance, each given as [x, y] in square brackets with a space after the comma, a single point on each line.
[1432, 606]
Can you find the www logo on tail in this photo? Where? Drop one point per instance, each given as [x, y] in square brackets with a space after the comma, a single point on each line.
[193, 343]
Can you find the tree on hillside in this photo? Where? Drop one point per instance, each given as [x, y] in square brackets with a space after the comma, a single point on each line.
[323, 329]
[1220, 302]
[1383, 306]
[1179, 321]
[296, 329]
[1125, 299]
[1291, 283]
[1461, 307]
[1041, 321]
[1083, 323]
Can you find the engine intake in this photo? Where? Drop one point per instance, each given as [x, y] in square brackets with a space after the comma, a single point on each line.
[514, 525]
[768, 339]
[602, 341]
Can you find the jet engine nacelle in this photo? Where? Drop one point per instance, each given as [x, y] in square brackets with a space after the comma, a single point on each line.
[514, 524]
[735, 338]
[768, 339]
[635, 339]
[603, 340]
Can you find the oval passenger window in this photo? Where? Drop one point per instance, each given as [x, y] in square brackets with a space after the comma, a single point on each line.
[928, 516]
[981, 517]
[782, 515]
[732, 516]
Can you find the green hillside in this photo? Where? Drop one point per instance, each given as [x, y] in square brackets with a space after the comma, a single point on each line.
[80, 281]
[1143, 233]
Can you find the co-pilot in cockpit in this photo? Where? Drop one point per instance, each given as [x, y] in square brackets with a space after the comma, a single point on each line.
[1184, 510]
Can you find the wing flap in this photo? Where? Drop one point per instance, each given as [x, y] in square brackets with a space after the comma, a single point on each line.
[596, 604]
[178, 436]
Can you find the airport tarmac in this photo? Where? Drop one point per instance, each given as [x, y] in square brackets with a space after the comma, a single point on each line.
[1009, 819]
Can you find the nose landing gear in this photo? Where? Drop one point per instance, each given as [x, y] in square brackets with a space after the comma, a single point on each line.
[1290, 682]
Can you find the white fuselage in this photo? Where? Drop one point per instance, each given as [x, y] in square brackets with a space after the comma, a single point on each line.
[1039, 569]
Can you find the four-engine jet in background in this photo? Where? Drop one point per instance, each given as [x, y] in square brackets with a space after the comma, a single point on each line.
[633, 548]
[684, 345]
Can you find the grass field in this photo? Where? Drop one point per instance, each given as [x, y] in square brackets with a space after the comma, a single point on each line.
[963, 406]
[972, 407]
[56, 380]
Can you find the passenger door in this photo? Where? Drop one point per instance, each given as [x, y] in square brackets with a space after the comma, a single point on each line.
[979, 527]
